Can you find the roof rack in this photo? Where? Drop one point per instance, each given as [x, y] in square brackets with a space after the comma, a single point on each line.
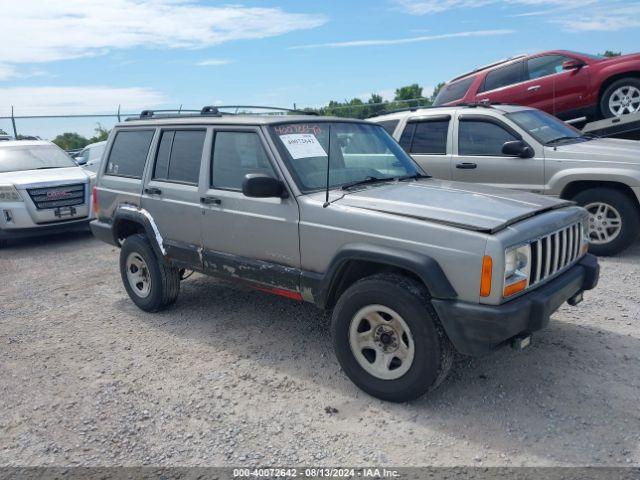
[485, 104]
[399, 110]
[490, 65]
[214, 111]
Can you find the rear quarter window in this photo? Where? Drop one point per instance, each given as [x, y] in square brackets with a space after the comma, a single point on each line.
[453, 91]
[389, 125]
[129, 152]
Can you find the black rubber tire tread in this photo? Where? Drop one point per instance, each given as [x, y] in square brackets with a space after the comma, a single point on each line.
[604, 100]
[434, 352]
[628, 211]
[165, 279]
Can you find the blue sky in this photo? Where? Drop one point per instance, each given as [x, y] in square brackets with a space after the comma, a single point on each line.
[78, 56]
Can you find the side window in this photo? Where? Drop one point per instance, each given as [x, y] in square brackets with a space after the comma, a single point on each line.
[543, 66]
[235, 154]
[129, 153]
[503, 77]
[407, 137]
[482, 138]
[430, 137]
[389, 125]
[179, 156]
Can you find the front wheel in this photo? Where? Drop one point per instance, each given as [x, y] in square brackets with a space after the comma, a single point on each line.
[620, 98]
[150, 283]
[614, 220]
[388, 339]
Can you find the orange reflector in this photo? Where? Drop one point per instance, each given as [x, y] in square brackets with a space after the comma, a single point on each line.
[584, 249]
[485, 279]
[94, 194]
[515, 288]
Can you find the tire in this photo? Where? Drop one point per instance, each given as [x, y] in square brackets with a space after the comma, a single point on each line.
[162, 283]
[431, 355]
[629, 87]
[618, 205]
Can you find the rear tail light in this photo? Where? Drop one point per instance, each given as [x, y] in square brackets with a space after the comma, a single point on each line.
[94, 195]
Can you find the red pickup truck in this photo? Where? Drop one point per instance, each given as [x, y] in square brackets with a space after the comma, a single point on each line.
[567, 84]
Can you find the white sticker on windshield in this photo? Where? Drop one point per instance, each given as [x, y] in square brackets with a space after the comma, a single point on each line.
[303, 145]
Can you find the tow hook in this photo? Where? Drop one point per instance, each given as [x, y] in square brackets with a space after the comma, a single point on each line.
[576, 299]
[521, 342]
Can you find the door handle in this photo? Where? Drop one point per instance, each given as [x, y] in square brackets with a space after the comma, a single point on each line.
[466, 166]
[153, 191]
[533, 88]
[210, 201]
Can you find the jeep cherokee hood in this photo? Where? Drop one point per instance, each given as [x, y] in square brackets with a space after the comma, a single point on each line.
[464, 205]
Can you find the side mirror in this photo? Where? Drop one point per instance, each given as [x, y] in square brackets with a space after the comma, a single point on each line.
[259, 185]
[517, 148]
[572, 64]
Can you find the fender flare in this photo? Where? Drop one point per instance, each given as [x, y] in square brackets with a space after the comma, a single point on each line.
[143, 217]
[426, 268]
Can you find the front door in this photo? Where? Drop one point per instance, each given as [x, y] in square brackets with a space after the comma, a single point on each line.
[253, 238]
[553, 89]
[171, 194]
[478, 156]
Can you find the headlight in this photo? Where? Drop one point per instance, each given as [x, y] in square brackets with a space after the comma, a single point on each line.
[8, 193]
[517, 266]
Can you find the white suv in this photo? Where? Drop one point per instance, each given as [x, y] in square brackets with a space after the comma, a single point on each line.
[42, 190]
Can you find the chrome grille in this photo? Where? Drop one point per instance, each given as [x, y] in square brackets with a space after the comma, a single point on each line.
[554, 252]
[61, 196]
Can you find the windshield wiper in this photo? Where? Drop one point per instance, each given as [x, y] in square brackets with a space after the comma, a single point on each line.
[560, 139]
[366, 181]
[46, 168]
[415, 176]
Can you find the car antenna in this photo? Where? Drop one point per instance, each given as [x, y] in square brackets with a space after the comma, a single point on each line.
[326, 197]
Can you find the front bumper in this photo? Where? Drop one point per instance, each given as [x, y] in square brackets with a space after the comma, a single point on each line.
[476, 329]
[48, 229]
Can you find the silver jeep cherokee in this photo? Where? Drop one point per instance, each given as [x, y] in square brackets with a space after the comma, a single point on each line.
[333, 212]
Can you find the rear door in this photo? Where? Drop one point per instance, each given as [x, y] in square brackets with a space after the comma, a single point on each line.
[427, 141]
[478, 156]
[504, 85]
[254, 238]
[554, 90]
[171, 194]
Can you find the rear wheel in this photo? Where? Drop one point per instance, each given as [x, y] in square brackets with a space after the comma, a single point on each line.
[614, 220]
[151, 284]
[388, 339]
[620, 98]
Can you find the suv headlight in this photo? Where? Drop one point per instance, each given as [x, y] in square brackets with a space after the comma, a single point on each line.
[517, 267]
[8, 193]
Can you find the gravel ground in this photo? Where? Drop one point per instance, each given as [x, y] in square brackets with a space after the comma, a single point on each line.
[233, 377]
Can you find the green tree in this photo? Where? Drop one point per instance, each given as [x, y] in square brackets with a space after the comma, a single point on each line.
[70, 141]
[410, 92]
[610, 54]
[101, 134]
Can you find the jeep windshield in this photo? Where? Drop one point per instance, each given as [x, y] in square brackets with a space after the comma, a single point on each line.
[32, 157]
[547, 129]
[356, 153]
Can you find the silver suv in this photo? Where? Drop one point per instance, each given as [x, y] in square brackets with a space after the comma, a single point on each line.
[42, 191]
[526, 149]
[333, 212]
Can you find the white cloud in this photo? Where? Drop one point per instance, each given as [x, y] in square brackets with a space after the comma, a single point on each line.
[213, 62]
[604, 19]
[37, 31]
[77, 100]
[399, 41]
[601, 15]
